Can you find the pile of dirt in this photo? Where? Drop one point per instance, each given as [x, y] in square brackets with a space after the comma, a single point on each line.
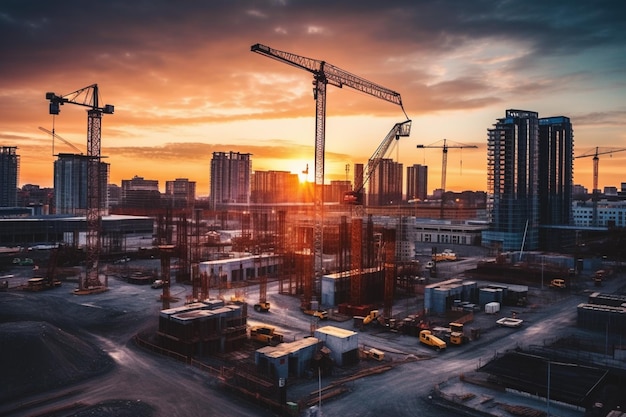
[36, 356]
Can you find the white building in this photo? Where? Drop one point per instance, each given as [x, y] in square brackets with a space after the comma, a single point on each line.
[610, 213]
[412, 230]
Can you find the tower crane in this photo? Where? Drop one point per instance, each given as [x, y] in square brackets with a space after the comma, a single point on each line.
[89, 97]
[398, 130]
[55, 136]
[324, 74]
[444, 165]
[596, 162]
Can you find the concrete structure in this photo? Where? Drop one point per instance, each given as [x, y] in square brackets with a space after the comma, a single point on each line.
[9, 174]
[240, 268]
[343, 344]
[512, 181]
[417, 182]
[203, 328]
[286, 359]
[230, 178]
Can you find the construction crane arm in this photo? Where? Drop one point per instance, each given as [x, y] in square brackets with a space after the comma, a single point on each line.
[54, 135]
[398, 130]
[599, 152]
[329, 73]
[86, 97]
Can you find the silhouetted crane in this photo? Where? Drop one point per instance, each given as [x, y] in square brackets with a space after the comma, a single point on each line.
[596, 162]
[444, 165]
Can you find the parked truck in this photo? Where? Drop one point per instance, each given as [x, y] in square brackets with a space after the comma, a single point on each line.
[429, 339]
[457, 334]
[265, 334]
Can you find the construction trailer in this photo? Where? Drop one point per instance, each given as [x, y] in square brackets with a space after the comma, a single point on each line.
[343, 344]
[287, 359]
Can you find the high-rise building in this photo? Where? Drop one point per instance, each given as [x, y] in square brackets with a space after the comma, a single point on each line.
[230, 178]
[274, 187]
[512, 182]
[181, 192]
[385, 184]
[9, 174]
[556, 155]
[417, 182]
[140, 193]
[70, 184]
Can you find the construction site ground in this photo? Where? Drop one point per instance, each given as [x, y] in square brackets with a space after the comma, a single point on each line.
[110, 374]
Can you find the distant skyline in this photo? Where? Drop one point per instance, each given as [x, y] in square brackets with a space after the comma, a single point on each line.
[185, 84]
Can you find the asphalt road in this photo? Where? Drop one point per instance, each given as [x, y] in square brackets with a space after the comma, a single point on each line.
[110, 319]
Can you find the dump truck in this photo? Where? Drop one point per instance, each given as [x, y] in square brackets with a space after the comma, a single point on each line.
[429, 339]
[265, 334]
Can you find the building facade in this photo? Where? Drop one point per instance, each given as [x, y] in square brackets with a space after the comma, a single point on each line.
[269, 187]
[512, 182]
[610, 213]
[9, 174]
[417, 182]
[385, 184]
[70, 184]
[180, 193]
[230, 178]
[140, 193]
[556, 181]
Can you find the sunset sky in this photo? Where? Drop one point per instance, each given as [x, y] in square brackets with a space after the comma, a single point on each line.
[185, 84]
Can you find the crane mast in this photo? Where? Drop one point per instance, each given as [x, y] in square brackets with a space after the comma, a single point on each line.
[89, 97]
[323, 74]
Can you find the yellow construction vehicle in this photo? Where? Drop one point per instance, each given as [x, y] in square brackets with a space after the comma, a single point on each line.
[373, 315]
[320, 314]
[265, 334]
[457, 336]
[429, 339]
[263, 306]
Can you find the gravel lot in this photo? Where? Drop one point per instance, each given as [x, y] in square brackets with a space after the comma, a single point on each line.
[72, 355]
